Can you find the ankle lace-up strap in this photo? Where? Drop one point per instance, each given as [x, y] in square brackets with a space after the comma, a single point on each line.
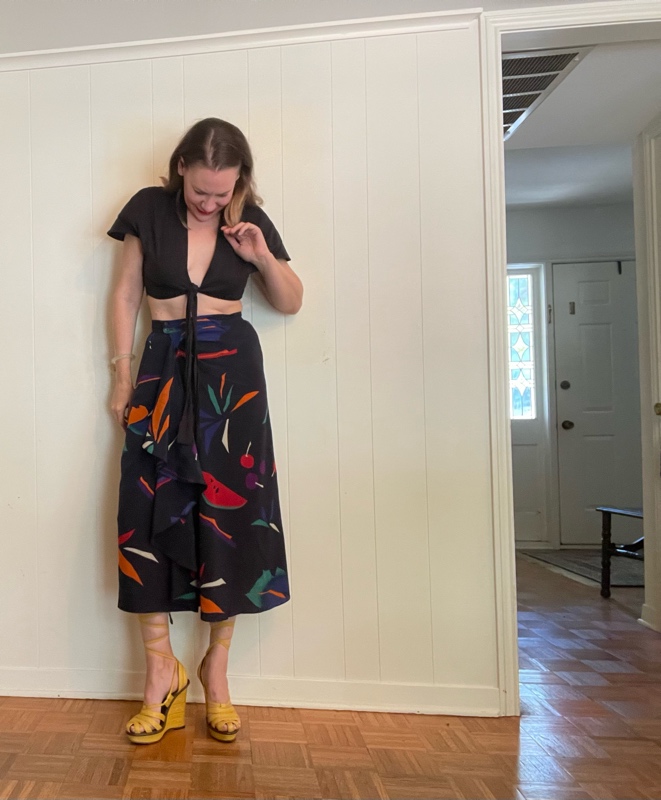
[217, 630]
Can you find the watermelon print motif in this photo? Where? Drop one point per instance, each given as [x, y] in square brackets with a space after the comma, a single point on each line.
[207, 506]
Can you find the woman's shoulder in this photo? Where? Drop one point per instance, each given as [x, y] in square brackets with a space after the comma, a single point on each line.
[256, 214]
[253, 213]
[141, 212]
[152, 195]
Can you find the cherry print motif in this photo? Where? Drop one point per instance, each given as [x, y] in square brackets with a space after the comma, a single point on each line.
[251, 481]
[247, 460]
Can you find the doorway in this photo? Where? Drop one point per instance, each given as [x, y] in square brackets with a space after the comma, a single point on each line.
[537, 29]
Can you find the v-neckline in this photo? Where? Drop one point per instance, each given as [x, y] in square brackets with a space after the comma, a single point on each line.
[184, 211]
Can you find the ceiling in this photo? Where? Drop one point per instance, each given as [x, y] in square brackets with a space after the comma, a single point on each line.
[575, 147]
[47, 24]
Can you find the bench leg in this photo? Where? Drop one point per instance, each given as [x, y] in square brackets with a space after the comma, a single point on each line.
[606, 548]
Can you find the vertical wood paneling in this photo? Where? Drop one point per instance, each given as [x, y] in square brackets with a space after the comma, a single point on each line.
[122, 163]
[397, 360]
[315, 547]
[456, 367]
[352, 303]
[265, 125]
[19, 613]
[378, 388]
[216, 85]
[168, 115]
[66, 399]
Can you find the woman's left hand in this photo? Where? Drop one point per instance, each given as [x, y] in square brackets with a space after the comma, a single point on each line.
[247, 240]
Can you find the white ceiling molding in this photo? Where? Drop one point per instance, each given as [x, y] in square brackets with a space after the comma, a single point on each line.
[575, 16]
[240, 40]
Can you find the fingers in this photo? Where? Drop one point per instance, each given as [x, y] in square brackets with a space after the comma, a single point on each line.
[242, 232]
[241, 229]
[121, 415]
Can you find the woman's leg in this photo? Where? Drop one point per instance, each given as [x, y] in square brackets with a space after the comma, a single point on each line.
[161, 662]
[214, 672]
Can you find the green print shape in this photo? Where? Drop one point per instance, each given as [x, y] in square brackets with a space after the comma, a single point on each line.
[227, 400]
[213, 400]
[254, 595]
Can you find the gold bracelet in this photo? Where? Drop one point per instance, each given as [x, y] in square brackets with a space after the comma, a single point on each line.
[115, 359]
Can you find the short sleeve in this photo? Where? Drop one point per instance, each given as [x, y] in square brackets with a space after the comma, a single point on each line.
[131, 218]
[271, 235]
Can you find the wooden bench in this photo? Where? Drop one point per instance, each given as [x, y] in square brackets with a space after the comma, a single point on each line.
[608, 549]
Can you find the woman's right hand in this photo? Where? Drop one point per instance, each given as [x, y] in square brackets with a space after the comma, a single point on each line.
[121, 399]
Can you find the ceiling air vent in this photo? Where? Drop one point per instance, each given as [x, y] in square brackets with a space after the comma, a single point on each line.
[528, 78]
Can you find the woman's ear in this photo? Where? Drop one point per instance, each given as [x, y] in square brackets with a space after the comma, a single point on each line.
[180, 166]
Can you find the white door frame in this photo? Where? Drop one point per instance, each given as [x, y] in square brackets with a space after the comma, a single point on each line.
[494, 25]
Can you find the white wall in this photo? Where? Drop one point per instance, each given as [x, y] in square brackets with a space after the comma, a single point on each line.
[562, 233]
[379, 387]
[46, 24]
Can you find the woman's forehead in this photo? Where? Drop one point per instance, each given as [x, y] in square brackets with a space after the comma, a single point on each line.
[211, 180]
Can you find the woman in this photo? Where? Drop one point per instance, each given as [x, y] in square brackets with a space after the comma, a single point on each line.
[199, 517]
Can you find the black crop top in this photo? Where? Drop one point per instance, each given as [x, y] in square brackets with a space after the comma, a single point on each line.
[151, 215]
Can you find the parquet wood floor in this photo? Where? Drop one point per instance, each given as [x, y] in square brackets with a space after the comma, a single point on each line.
[590, 730]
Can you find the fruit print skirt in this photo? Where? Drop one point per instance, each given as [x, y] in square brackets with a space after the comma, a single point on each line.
[199, 517]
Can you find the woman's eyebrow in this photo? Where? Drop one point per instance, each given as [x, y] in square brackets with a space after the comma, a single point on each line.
[199, 191]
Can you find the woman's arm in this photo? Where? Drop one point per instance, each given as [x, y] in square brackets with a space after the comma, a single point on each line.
[126, 301]
[280, 284]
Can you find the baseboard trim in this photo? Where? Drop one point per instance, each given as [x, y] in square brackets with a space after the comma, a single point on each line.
[650, 618]
[476, 701]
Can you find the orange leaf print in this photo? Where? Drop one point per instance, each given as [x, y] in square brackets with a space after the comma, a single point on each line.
[209, 606]
[222, 383]
[166, 425]
[127, 568]
[159, 408]
[137, 413]
[245, 399]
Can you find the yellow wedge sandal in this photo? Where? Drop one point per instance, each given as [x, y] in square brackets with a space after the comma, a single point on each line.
[156, 719]
[219, 714]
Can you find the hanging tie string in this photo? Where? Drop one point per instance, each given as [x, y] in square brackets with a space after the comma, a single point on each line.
[189, 419]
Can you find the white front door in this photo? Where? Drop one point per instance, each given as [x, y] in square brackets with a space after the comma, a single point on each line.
[597, 397]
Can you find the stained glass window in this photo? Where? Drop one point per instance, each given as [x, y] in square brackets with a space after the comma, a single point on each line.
[521, 347]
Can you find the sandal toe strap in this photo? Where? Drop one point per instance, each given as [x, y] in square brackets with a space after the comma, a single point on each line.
[222, 713]
[149, 717]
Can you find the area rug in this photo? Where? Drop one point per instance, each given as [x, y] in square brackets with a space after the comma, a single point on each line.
[587, 563]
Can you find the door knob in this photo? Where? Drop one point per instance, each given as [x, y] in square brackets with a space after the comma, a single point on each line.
[565, 385]
[567, 424]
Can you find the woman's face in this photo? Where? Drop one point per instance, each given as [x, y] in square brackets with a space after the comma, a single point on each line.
[207, 191]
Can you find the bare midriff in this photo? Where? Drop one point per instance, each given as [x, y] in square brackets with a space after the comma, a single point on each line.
[175, 307]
